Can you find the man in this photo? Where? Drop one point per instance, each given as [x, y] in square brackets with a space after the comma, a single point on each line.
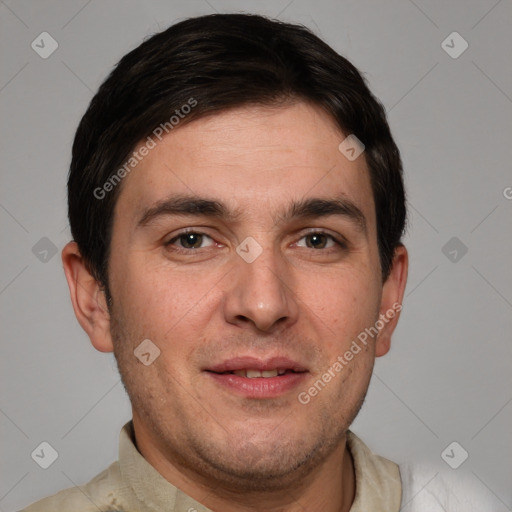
[236, 204]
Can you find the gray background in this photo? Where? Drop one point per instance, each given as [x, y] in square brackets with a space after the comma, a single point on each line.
[448, 376]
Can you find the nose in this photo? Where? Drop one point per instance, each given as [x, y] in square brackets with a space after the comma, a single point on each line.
[261, 295]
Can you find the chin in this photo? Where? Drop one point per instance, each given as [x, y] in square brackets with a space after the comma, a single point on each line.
[262, 466]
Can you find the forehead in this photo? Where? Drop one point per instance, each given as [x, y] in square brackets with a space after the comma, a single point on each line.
[254, 158]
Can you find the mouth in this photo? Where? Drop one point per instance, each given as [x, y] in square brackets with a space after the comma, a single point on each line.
[254, 374]
[256, 378]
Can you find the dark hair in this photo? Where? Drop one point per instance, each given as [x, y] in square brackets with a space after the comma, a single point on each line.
[219, 62]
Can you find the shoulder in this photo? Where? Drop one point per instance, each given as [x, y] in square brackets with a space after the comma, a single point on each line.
[102, 493]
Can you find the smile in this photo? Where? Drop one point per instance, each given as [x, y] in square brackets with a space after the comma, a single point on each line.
[255, 378]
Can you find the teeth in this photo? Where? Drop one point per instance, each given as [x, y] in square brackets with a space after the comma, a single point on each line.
[253, 374]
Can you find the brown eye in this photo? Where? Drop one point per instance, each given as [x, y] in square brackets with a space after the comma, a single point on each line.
[191, 240]
[317, 241]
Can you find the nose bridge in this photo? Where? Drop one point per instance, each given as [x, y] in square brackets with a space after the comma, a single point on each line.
[259, 293]
[265, 278]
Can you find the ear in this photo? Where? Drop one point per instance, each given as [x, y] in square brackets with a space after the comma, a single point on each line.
[88, 298]
[391, 301]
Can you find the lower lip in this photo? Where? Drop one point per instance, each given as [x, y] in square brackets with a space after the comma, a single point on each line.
[259, 387]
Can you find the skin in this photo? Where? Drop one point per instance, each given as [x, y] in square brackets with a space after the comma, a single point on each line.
[199, 306]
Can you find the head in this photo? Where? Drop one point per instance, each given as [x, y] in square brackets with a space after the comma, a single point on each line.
[214, 214]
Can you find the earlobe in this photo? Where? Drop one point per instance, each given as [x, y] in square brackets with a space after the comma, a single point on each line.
[391, 301]
[88, 299]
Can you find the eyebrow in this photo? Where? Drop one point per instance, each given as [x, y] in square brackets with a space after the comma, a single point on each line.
[187, 205]
[302, 209]
[319, 207]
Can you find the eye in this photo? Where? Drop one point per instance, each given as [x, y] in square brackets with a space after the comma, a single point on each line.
[318, 241]
[191, 240]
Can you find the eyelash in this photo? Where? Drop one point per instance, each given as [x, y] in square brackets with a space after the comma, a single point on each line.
[340, 242]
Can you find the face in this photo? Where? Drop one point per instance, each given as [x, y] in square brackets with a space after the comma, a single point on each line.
[245, 248]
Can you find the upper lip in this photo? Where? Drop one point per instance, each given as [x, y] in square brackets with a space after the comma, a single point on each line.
[254, 363]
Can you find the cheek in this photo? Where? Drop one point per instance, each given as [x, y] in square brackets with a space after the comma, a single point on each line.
[345, 302]
[163, 304]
